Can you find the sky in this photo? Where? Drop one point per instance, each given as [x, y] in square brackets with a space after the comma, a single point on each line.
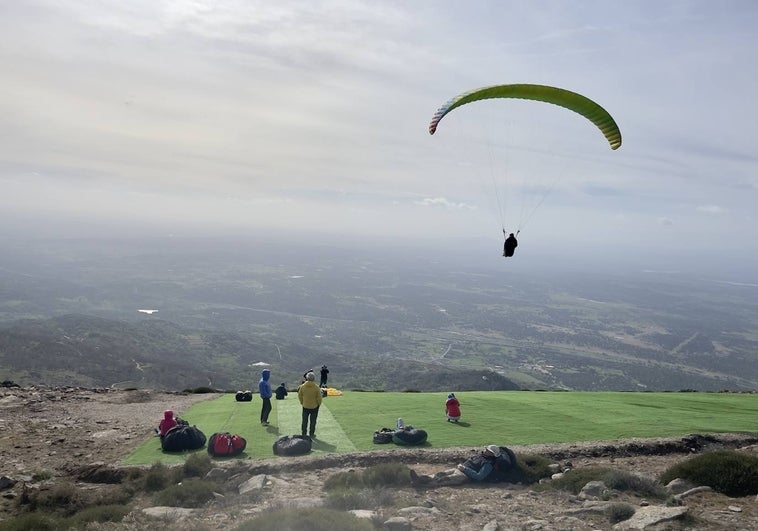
[194, 116]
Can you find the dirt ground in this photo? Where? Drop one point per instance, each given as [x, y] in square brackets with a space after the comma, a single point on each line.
[58, 429]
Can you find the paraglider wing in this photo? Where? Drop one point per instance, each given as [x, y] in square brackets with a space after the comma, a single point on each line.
[557, 96]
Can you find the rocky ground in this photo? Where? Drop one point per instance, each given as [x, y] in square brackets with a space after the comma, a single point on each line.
[59, 430]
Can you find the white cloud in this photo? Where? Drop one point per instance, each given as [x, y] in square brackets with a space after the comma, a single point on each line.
[713, 210]
[443, 202]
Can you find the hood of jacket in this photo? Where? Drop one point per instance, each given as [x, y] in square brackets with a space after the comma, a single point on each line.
[265, 374]
[168, 414]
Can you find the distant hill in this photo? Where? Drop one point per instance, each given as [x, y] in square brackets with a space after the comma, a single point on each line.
[88, 351]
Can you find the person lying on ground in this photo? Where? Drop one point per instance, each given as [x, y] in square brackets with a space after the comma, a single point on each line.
[477, 468]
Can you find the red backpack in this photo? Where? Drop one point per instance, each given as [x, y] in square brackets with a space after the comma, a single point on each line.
[226, 445]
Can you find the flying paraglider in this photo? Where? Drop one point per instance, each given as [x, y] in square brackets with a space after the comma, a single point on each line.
[582, 105]
[557, 96]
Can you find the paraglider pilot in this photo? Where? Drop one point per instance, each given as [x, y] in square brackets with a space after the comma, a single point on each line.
[510, 244]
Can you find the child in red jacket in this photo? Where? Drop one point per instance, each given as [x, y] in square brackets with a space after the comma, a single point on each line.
[167, 423]
[452, 408]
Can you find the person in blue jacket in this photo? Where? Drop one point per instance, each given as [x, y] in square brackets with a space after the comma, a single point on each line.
[264, 388]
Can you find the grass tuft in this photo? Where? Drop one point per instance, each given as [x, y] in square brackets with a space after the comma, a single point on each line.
[619, 511]
[311, 519]
[190, 493]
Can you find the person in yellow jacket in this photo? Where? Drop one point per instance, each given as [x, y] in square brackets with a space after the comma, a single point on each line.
[309, 395]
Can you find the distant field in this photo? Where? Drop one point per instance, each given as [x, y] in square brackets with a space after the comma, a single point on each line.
[347, 423]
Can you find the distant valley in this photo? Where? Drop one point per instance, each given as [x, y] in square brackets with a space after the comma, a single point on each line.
[74, 313]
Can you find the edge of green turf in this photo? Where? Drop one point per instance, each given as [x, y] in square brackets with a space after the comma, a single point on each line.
[347, 423]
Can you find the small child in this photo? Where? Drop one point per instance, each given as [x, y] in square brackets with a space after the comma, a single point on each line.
[452, 408]
[167, 423]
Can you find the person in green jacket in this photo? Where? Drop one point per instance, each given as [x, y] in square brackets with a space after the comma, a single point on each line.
[310, 398]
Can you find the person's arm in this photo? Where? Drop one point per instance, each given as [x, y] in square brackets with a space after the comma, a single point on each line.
[473, 475]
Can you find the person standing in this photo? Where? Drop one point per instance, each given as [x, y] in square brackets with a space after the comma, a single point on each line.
[324, 376]
[264, 388]
[309, 395]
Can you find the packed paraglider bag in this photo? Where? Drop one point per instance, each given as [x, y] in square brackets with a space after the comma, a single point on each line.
[292, 445]
[183, 437]
[226, 445]
[244, 396]
[409, 436]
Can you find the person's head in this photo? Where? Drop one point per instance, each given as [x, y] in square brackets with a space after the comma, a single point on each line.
[168, 414]
[511, 235]
[265, 373]
[493, 449]
[451, 395]
[323, 366]
[282, 385]
[310, 376]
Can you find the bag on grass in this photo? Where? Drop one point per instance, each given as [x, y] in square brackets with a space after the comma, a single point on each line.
[383, 436]
[409, 436]
[182, 437]
[244, 396]
[226, 445]
[292, 445]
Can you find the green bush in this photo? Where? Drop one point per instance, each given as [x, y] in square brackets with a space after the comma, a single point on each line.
[618, 512]
[573, 480]
[157, 477]
[42, 476]
[311, 519]
[383, 475]
[630, 482]
[529, 469]
[197, 465]
[620, 480]
[386, 475]
[32, 522]
[99, 513]
[728, 472]
[190, 493]
[64, 498]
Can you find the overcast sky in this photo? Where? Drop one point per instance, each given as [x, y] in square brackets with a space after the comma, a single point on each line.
[195, 115]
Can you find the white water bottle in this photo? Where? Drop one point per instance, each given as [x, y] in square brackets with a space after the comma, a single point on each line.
[400, 424]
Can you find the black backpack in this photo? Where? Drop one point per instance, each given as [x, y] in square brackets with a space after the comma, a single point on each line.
[383, 436]
[505, 462]
[409, 436]
[183, 437]
[292, 445]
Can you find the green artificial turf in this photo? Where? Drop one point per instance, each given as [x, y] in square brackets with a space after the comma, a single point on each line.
[347, 423]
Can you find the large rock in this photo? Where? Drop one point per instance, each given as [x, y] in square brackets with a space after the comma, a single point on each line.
[652, 515]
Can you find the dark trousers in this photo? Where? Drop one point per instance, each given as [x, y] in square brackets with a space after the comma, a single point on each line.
[265, 409]
[311, 414]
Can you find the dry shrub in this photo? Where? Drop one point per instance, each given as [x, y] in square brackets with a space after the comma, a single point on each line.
[728, 472]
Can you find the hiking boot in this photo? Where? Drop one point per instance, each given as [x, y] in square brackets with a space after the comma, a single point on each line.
[417, 480]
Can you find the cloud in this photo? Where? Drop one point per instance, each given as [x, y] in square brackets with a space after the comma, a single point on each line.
[444, 203]
[665, 221]
[712, 210]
